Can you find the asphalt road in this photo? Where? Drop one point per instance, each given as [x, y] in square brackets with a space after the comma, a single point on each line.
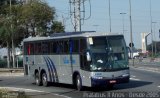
[141, 81]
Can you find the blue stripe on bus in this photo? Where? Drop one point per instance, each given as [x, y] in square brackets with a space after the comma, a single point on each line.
[49, 70]
[54, 69]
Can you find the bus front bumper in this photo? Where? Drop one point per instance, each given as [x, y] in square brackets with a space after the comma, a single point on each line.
[105, 82]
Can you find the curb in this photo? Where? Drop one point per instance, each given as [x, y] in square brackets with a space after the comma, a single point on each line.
[11, 70]
[4, 74]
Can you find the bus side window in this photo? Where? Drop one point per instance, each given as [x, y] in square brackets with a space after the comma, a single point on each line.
[82, 45]
[53, 47]
[31, 49]
[70, 46]
[37, 48]
[45, 48]
[26, 47]
[75, 46]
[66, 46]
[59, 47]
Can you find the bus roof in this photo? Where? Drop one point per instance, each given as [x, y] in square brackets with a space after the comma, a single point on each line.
[71, 35]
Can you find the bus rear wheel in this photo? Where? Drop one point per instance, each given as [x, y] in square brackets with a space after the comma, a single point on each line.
[37, 79]
[79, 83]
[44, 79]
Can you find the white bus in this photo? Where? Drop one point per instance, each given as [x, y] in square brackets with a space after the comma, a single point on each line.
[80, 58]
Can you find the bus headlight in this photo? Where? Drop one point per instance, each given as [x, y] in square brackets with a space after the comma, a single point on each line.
[98, 77]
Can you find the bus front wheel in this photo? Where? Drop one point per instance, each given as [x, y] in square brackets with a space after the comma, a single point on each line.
[79, 83]
[37, 79]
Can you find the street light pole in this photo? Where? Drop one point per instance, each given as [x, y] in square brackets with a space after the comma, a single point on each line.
[131, 37]
[130, 17]
[110, 29]
[123, 20]
[13, 51]
[155, 46]
[151, 25]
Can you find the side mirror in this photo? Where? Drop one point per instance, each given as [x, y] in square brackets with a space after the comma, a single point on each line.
[88, 56]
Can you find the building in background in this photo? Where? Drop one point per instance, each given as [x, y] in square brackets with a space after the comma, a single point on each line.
[144, 42]
[4, 51]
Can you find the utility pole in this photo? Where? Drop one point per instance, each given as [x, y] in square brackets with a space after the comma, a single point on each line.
[131, 37]
[151, 25]
[12, 37]
[110, 28]
[123, 20]
[155, 46]
[76, 13]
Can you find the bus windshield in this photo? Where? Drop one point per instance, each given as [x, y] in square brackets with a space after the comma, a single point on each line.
[108, 53]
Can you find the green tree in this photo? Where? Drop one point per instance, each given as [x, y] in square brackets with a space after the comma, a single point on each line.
[5, 35]
[19, 21]
[149, 48]
[36, 15]
[9, 27]
[57, 27]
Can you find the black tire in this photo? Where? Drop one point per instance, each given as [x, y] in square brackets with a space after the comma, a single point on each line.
[38, 79]
[79, 83]
[44, 79]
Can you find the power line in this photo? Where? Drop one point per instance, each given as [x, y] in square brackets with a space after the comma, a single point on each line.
[77, 13]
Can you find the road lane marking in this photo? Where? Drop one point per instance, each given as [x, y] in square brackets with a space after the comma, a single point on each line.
[148, 69]
[133, 76]
[62, 96]
[135, 79]
[159, 86]
[11, 74]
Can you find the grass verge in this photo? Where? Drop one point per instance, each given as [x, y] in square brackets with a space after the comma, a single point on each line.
[5, 93]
